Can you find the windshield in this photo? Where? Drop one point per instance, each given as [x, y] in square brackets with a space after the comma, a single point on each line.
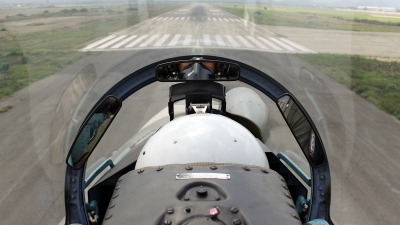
[341, 61]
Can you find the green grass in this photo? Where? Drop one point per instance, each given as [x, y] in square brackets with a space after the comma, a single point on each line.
[28, 57]
[312, 18]
[377, 81]
[36, 24]
[5, 108]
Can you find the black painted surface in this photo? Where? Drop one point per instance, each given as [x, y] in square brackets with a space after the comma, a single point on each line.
[149, 197]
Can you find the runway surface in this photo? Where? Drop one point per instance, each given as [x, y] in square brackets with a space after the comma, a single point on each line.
[196, 26]
[362, 141]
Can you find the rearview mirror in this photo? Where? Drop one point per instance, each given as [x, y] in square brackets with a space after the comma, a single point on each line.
[92, 131]
[302, 129]
[197, 69]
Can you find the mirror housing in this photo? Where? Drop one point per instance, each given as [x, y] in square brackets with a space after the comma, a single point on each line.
[92, 131]
[197, 69]
[303, 129]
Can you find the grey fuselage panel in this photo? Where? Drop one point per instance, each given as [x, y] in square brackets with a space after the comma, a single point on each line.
[157, 195]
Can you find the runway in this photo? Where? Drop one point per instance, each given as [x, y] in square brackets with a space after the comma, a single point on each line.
[196, 26]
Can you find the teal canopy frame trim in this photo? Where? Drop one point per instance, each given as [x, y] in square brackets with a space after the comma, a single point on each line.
[97, 171]
[295, 168]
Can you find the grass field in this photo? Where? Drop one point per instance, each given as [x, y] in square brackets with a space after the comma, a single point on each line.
[313, 18]
[377, 81]
[26, 57]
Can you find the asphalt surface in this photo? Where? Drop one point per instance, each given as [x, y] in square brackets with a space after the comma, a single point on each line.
[362, 141]
[374, 44]
[201, 26]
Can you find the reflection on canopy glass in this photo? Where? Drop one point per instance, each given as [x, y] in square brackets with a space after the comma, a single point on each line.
[92, 131]
[301, 128]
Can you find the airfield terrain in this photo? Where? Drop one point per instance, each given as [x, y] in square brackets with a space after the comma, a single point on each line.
[361, 141]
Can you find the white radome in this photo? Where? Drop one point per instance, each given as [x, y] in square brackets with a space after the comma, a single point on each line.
[202, 138]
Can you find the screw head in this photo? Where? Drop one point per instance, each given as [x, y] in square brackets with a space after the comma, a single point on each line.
[111, 206]
[120, 179]
[167, 222]
[189, 168]
[141, 171]
[236, 221]
[201, 191]
[108, 217]
[175, 141]
[291, 206]
[160, 168]
[284, 187]
[246, 168]
[188, 210]
[234, 210]
[295, 216]
[170, 210]
[213, 167]
[115, 196]
[186, 198]
[288, 196]
[264, 171]
[217, 198]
